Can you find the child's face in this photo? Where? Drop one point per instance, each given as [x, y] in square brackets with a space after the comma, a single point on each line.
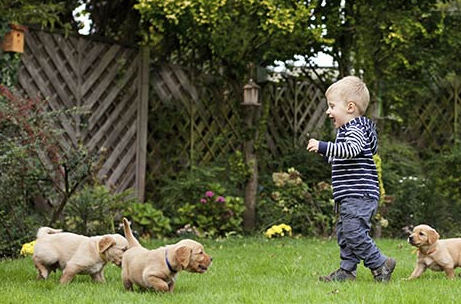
[339, 110]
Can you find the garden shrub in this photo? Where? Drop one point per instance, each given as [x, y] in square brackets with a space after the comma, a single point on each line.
[213, 214]
[95, 210]
[22, 202]
[288, 199]
[150, 221]
[443, 200]
[38, 175]
[423, 190]
[401, 175]
[187, 201]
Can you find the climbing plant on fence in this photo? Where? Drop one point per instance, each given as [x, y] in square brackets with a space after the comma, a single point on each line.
[196, 120]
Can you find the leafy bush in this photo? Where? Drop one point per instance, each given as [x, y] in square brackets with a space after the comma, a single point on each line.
[95, 210]
[181, 201]
[409, 206]
[290, 200]
[423, 190]
[213, 214]
[443, 200]
[151, 221]
[38, 175]
[401, 175]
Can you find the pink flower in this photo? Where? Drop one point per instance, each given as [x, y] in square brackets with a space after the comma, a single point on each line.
[209, 194]
[203, 200]
[220, 199]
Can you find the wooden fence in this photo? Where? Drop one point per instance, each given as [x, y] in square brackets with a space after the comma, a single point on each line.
[160, 119]
[152, 120]
[108, 81]
[436, 122]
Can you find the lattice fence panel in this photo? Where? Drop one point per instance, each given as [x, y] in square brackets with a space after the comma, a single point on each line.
[101, 78]
[436, 122]
[191, 122]
[297, 109]
[194, 122]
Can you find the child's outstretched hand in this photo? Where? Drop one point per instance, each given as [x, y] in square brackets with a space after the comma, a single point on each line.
[313, 145]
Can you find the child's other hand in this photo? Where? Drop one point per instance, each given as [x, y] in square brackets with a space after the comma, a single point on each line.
[313, 145]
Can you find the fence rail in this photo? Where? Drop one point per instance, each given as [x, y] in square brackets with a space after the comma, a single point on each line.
[159, 119]
[102, 78]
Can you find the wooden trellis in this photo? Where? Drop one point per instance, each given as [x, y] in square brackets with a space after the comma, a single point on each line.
[104, 79]
[436, 122]
[153, 120]
[297, 109]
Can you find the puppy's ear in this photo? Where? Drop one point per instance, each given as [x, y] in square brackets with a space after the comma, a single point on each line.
[433, 236]
[182, 255]
[105, 243]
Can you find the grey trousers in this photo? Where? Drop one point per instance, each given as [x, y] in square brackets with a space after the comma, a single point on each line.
[352, 229]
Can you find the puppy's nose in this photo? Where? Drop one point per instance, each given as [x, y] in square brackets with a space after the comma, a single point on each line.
[410, 238]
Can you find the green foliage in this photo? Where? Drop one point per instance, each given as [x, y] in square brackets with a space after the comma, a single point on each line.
[151, 221]
[94, 210]
[443, 173]
[38, 177]
[290, 200]
[399, 160]
[32, 12]
[181, 201]
[401, 175]
[213, 214]
[422, 190]
[228, 34]
[19, 189]
[239, 172]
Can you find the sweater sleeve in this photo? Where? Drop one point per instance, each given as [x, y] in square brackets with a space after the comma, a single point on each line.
[351, 146]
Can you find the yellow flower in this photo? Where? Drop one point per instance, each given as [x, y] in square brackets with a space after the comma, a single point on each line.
[28, 248]
[278, 230]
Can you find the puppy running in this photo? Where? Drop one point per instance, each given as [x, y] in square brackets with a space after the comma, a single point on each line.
[76, 254]
[157, 269]
[433, 253]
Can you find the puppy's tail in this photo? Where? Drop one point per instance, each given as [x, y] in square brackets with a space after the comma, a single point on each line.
[42, 231]
[132, 241]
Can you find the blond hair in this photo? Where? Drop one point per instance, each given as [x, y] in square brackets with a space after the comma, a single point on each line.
[351, 89]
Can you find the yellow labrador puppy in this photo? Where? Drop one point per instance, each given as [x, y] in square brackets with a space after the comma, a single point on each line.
[157, 269]
[76, 254]
[433, 253]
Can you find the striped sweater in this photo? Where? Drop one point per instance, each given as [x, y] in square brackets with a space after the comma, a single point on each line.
[353, 172]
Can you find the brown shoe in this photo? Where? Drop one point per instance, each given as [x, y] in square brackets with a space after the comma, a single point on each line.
[339, 275]
[384, 273]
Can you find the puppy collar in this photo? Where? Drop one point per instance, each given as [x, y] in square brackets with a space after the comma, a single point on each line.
[168, 262]
[427, 252]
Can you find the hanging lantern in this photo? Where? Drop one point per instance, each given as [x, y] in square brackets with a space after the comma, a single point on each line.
[251, 94]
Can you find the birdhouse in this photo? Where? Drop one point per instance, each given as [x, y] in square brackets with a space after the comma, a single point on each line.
[251, 94]
[13, 41]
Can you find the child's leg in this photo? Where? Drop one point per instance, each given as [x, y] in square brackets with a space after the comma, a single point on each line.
[356, 215]
[349, 261]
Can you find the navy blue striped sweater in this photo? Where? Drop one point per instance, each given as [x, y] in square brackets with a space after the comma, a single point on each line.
[353, 172]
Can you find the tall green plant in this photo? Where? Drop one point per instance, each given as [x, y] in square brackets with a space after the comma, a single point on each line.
[38, 177]
[95, 209]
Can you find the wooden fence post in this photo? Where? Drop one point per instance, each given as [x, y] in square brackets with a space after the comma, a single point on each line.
[142, 119]
[251, 109]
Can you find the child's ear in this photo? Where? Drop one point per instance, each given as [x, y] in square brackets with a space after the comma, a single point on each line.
[351, 107]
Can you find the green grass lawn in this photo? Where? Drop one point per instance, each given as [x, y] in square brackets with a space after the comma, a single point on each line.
[246, 270]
